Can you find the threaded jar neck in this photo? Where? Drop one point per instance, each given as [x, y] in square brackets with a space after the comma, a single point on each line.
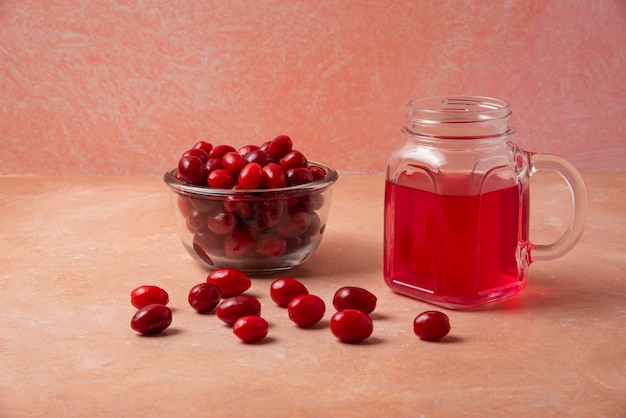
[458, 117]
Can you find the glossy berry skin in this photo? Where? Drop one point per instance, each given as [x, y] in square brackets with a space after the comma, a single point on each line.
[221, 179]
[258, 156]
[298, 176]
[431, 325]
[353, 297]
[231, 309]
[213, 164]
[151, 319]
[284, 290]
[233, 162]
[197, 152]
[230, 281]
[148, 295]
[204, 297]
[192, 170]
[204, 146]
[318, 172]
[250, 176]
[250, 329]
[293, 159]
[306, 310]
[273, 176]
[247, 149]
[279, 147]
[351, 325]
[219, 151]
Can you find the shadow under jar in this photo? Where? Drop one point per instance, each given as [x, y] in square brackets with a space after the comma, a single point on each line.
[256, 231]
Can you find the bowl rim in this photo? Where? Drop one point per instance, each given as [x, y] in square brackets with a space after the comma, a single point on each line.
[190, 189]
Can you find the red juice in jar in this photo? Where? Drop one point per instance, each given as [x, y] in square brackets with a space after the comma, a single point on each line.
[455, 250]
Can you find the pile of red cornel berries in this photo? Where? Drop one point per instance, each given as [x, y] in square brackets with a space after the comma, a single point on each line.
[251, 224]
[224, 293]
[274, 164]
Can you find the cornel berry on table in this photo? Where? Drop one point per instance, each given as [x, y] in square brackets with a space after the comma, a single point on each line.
[223, 292]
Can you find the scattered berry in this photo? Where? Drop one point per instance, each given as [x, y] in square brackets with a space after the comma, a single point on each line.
[282, 291]
[431, 325]
[306, 310]
[352, 297]
[148, 295]
[231, 281]
[231, 309]
[204, 297]
[250, 329]
[151, 319]
[351, 325]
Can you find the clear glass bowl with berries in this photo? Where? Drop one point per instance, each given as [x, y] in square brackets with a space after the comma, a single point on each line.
[257, 208]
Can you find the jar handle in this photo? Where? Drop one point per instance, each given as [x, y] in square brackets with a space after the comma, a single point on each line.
[539, 162]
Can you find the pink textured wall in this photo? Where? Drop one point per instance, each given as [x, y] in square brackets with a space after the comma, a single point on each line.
[124, 87]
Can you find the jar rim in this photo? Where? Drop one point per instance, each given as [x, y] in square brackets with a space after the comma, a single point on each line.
[457, 109]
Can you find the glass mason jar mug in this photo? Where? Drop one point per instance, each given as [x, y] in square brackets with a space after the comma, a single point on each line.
[457, 204]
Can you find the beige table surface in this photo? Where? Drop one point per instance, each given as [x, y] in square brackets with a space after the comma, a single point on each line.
[72, 248]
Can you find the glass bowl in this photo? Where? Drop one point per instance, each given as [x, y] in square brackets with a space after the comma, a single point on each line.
[256, 231]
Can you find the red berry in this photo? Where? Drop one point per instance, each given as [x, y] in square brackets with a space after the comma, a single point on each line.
[184, 205]
[196, 220]
[270, 246]
[279, 146]
[318, 172]
[245, 209]
[431, 325]
[204, 146]
[220, 179]
[273, 176]
[240, 242]
[205, 243]
[258, 156]
[352, 297]
[148, 295]
[294, 223]
[230, 281]
[213, 164]
[151, 319]
[247, 149]
[221, 222]
[271, 212]
[298, 176]
[250, 329]
[231, 309]
[197, 152]
[192, 170]
[306, 310]
[204, 297]
[233, 163]
[219, 151]
[284, 290]
[351, 325]
[294, 159]
[250, 176]
[264, 146]
[205, 205]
